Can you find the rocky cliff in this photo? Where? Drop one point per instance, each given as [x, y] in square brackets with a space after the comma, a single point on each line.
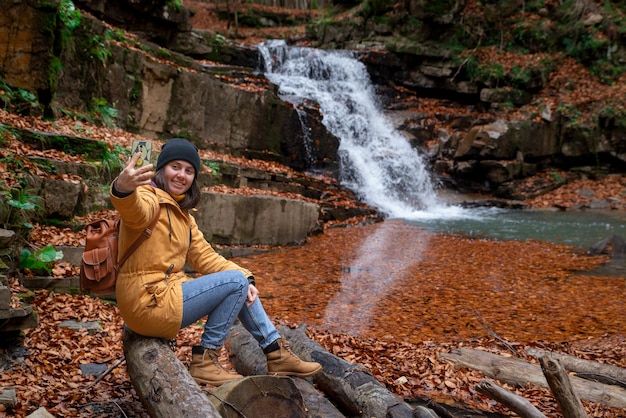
[505, 122]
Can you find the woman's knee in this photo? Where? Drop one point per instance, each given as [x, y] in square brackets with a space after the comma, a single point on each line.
[241, 277]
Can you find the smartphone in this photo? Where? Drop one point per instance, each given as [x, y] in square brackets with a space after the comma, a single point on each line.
[145, 148]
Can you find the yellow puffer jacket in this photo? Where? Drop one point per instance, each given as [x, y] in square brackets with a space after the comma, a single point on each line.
[150, 303]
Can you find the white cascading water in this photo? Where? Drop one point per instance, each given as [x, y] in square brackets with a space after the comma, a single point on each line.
[377, 162]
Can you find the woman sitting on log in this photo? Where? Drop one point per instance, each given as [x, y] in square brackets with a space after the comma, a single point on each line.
[156, 298]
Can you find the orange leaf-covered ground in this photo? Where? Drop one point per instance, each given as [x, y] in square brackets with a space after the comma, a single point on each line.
[394, 281]
[394, 315]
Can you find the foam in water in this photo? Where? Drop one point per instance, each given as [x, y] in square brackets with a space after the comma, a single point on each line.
[377, 162]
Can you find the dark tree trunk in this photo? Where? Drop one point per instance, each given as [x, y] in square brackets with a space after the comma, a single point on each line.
[360, 395]
[586, 369]
[349, 385]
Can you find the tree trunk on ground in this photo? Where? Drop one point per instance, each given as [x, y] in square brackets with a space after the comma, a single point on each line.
[248, 359]
[515, 403]
[259, 396]
[162, 382]
[350, 385]
[316, 404]
[519, 372]
[585, 369]
[561, 387]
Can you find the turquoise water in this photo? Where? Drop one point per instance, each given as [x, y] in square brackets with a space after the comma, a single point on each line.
[577, 228]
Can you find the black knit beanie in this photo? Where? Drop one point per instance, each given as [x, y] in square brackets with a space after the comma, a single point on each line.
[179, 149]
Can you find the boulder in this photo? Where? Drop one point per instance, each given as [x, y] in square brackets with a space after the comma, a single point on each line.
[60, 197]
[255, 220]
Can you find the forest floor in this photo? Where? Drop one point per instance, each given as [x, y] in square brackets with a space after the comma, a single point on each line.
[443, 292]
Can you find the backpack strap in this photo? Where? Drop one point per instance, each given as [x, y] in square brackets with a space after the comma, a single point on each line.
[140, 239]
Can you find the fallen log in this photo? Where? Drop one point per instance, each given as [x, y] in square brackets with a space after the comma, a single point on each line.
[519, 372]
[359, 395]
[351, 386]
[162, 382]
[515, 403]
[259, 396]
[585, 369]
[248, 359]
[316, 404]
[561, 387]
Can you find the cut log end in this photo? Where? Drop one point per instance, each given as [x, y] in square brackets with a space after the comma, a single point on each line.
[259, 396]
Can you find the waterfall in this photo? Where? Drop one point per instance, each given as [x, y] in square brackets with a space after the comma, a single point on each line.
[376, 161]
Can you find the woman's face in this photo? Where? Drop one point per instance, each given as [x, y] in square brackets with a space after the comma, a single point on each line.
[179, 175]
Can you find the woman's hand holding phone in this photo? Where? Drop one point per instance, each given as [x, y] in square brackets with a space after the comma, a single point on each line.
[133, 176]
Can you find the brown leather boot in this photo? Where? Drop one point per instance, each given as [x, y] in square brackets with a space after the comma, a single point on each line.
[283, 362]
[206, 368]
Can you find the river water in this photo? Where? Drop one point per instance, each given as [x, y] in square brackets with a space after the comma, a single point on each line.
[577, 228]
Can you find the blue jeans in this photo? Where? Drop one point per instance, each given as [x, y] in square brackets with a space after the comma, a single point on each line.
[222, 297]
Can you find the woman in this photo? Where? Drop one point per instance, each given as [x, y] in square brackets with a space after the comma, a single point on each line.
[154, 295]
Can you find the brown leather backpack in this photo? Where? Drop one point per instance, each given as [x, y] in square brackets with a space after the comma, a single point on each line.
[99, 264]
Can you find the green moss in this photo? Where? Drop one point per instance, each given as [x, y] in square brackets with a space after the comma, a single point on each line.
[529, 36]
[612, 115]
[55, 70]
[70, 18]
[99, 49]
[520, 76]
[176, 5]
[135, 93]
[92, 149]
[491, 74]
[571, 115]
[115, 35]
[27, 297]
[163, 53]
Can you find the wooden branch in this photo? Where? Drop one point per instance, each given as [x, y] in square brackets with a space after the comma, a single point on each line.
[561, 387]
[105, 373]
[515, 403]
[8, 398]
[162, 382]
[519, 372]
[494, 335]
[601, 372]
[421, 411]
[317, 405]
